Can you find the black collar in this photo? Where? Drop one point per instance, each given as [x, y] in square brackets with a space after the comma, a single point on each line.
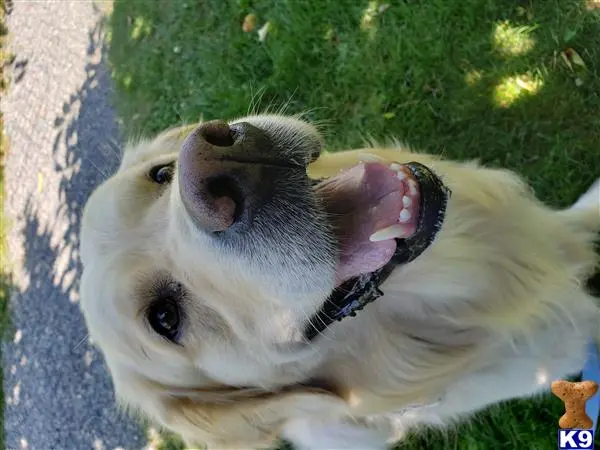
[354, 294]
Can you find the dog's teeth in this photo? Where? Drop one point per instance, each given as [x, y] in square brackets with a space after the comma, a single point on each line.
[412, 186]
[404, 216]
[401, 175]
[406, 201]
[395, 167]
[370, 157]
[391, 232]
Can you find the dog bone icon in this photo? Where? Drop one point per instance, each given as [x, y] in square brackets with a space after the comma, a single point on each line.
[574, 395]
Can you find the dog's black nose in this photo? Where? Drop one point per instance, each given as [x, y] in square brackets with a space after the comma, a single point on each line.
[219, 173]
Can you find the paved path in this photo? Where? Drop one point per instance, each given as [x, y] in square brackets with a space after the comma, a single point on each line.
[63, 140]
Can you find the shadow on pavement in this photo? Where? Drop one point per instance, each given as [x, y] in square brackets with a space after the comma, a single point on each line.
[57, 388]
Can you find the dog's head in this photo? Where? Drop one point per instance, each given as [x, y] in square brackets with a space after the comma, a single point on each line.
[207, 251]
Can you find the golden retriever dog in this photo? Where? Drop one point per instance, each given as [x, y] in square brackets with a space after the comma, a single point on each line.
[211, 251]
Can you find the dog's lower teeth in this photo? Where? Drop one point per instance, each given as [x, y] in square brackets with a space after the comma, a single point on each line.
[401, 175]
[391, 232]
[404, 216]
[406, 201]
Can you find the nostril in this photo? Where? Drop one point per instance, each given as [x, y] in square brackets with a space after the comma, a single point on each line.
[218, 133]
[226, 187]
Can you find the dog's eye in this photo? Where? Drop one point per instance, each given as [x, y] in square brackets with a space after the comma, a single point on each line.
[164, 314]
[161, 174]
[164, 318]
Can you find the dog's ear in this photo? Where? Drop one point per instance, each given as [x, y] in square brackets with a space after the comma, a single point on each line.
[223, 417]
[247, 422]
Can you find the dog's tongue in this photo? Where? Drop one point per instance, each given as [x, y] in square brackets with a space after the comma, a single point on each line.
[363, 200]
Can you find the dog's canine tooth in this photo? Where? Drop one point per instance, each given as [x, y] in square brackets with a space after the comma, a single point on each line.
[406, 201]
[391, 232]
[395, 167]
[401, 175]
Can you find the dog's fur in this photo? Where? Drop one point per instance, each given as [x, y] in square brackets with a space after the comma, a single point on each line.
[495, 309]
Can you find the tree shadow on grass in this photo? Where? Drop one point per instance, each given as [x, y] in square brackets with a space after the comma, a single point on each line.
[59, 393]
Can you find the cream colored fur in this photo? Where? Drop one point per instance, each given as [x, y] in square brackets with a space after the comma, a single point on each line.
[494, 309]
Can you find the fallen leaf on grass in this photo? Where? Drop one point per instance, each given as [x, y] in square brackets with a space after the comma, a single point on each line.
[571, 58]
[383, 8]
[368, 17]
[249, 23]
[329, 34]
[264, 30]
[577, 59]
[372, 10]
[592, 4]
[527, 84]
[564, 57]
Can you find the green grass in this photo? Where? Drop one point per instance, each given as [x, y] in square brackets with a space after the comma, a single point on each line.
[4, 275]
[483, 79]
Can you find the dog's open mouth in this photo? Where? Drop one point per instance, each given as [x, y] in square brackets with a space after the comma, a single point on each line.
[372, 205]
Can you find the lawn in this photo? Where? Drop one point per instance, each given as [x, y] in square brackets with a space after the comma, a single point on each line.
[512, 83]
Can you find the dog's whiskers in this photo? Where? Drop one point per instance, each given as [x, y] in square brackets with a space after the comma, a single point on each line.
[284, 107]
[309, 320]
[81, 342]
[255, 101]
[115, 148]
[143, 351]
[101, 172]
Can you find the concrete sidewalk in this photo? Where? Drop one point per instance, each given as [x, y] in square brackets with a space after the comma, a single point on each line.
[63, 142]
